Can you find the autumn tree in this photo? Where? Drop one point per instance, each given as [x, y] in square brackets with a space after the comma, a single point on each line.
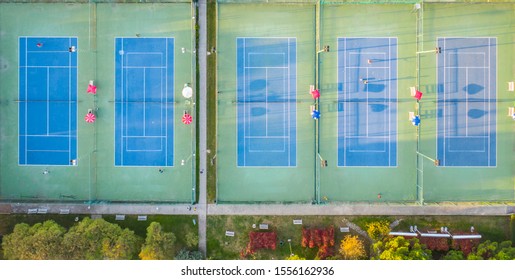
[100, 240]
[41, 241]
[352, 248]
[378, 230]
[159, 245]
[399, 248]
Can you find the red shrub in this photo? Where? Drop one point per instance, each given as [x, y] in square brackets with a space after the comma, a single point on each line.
[465, 245]
[321, 238]
[259, 240]
[324, 252]
[306, 237]
[435, 243]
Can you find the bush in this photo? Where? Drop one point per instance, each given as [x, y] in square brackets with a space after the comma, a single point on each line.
[321, 238]
[189, 255]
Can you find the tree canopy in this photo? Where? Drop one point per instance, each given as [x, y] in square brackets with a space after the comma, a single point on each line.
[489, 250]
[100, 240]
[41, 241]
[352, 248]
[158, 244]
[87, 240]
[185, 254]
[377, 230]
[399, 248]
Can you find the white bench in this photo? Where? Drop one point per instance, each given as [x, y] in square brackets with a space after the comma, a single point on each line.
[120, 218]
[229, 233]
[344, 229]
[42, 210]
[32, 211]
[142, 218]
[64, 211]
[297, 222]
[263, 226]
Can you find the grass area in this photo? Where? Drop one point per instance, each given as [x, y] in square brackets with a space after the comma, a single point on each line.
[211, 101]
[223, 247]
[179, 225]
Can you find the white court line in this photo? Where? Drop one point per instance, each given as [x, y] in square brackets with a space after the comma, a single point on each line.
[124, 114]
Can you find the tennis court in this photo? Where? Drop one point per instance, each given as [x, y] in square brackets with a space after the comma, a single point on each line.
[47, 101]
[467, 100]
[367, 119]
[144, 101]
[266, 101]
[124, 142]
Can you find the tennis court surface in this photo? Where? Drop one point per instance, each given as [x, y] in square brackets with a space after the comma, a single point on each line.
[47, 100]
[267, 101]
[144, 101]
[367, 97]
[467, 99]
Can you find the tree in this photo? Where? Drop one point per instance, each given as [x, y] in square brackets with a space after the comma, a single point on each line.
[159, 245]
[191, 239]
[185, 254]
[378, 230]
[100, 240]
[489, 250]
[399, 248]
[352, 248]
[454, 255]
[42, 241]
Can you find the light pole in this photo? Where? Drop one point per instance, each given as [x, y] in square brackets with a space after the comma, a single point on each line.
[289, 243]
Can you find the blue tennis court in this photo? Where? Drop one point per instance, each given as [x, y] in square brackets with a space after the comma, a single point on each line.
[144, 102]
[467, 101]
[47, 100]
[367, 101]
[266, 78]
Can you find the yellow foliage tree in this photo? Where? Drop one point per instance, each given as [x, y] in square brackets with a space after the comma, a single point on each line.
[378, 230]
[352, 248]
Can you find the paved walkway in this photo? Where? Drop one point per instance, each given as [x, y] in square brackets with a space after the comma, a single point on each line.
[342, 209]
